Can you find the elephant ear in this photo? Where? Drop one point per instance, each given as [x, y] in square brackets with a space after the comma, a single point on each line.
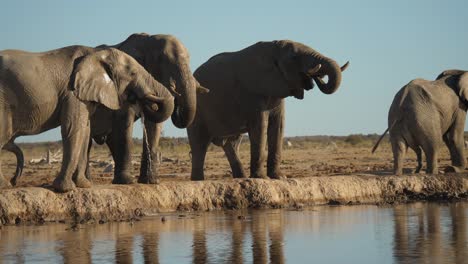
[93, 81]
[463, 86]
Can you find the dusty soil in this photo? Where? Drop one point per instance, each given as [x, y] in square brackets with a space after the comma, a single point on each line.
[318, 173]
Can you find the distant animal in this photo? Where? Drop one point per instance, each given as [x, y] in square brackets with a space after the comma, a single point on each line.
[426, 114]
[64, 87]
[247, 91]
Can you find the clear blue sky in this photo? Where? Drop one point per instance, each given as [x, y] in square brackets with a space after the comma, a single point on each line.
[387, 42]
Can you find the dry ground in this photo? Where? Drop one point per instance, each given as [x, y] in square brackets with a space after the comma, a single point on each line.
[305, 157]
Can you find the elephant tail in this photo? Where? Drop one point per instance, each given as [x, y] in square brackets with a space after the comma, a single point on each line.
[12, 147]
[382, 136]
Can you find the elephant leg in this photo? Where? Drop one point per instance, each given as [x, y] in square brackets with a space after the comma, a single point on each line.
[199, 143]
[419, 159]
[431, 159]
[120, 143]
[257, 135]
[12, 147]
[399, 151]
[149, 156]
[231, 149]
[454, 139]
[275, 142]
[3, 182]
[88, 172]
[75, 130]
[79, 177]
[5, 135]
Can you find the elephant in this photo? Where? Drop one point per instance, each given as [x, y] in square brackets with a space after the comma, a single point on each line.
[64, 87]
[167, 60]
[247, 91]
[425, 114]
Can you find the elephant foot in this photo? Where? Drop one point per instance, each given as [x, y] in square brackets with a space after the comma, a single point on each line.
[258, 175]
[4, 183]
[123, 179]
[277, 175]
[453, 169]
[417, 170]
[83, 183]
[148, 180]
[239, 175]
[63, 186]
[197, 174]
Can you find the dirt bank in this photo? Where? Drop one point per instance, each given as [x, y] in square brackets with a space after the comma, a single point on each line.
[112, 202]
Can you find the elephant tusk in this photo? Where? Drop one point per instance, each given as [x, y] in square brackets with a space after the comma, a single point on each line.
[314, 70]
[173, 91]
[318, 80]
[202, 90]
[343, 68]
[172, 88]
[154, 98]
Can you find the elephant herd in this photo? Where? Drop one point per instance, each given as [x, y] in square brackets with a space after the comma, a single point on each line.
[99, 92]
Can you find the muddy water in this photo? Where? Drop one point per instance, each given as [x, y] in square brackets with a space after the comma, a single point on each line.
[414, 233]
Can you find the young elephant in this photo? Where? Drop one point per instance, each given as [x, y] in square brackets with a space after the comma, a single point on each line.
[247, 91]
[63, 87]
[424, 115]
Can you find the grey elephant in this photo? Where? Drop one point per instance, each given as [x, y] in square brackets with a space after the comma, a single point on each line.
[167, 60]
[247, 91]
[63, 87]
[424, 115]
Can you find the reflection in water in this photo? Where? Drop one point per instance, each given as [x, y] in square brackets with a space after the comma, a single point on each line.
[414, 233]
[431, 233]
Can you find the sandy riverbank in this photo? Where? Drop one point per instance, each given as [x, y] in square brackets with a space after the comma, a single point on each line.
[113, 202]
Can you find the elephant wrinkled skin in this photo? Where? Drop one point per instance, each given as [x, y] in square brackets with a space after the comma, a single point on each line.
[167, 60]
[247, 91]
[63, 87]
[426, 114]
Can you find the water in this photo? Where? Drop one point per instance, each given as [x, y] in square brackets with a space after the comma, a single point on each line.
[149, 169]
[414, 233]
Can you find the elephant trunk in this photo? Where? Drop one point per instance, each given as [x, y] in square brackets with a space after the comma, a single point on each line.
[157, 103]
[185, 101]
[331, 69]
[158, 109]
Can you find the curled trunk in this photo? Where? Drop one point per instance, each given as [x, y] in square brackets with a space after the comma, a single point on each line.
[333, 71]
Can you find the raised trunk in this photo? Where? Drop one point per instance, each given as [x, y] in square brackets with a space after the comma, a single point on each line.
[333, 71]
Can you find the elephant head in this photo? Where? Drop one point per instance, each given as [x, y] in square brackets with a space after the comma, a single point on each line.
[112, 78]
[167, 60]
[458, 81]
[300, 64]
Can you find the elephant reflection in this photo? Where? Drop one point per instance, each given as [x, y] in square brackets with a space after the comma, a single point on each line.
[267, 239]
[419, 232]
